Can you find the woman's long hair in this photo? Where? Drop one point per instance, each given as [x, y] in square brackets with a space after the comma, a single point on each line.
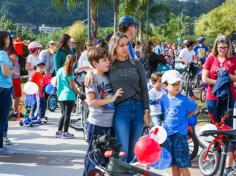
[68, 65]
[3, 35]
[222, 39]
[63, 42]
[11, 49]
[113, 43]
[147, 48]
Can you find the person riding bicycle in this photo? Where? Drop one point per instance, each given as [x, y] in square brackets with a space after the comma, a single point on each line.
[188, 57]
[201, 50]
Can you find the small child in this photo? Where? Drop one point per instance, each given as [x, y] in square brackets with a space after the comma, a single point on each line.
[100, 98]
[38, 78]
[177, 108]
[155, 94]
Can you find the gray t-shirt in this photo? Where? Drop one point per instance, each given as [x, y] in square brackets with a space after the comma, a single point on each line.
[101, 116]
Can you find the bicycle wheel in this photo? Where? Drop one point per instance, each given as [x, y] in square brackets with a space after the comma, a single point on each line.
[203, 118]
[211, 165]
[193, 144]
[96, 172]
[203, 94]
[52, 102]
[84, 113]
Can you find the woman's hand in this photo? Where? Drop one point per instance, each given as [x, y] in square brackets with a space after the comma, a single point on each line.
[89, 78]
[147, 118]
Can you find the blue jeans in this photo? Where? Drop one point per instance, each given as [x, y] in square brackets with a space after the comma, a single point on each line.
[42, 108]
[94, 130]
[128, 124]
[5, 106]
[211, 107]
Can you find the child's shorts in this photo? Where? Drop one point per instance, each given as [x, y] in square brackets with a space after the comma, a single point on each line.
[177, 145]
[16, 91]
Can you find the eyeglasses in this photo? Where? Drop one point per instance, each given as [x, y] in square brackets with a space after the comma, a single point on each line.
[226, 47]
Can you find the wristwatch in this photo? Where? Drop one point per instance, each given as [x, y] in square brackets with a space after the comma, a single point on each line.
[147, 110]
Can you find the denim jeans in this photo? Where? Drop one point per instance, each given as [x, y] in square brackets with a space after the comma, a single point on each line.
[42, 108]
[128, 124]
[5, 105]
[94, 130]
[211, 107]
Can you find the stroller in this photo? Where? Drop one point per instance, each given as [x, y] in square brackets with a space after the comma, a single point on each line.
[31, 98]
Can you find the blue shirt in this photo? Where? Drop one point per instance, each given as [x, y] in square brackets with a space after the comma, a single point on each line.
[157, 50]
[5, 82]
[131, 51]
[176, 110]
[64, 90]
[200, 51]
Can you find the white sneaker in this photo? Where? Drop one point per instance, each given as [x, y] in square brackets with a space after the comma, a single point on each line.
[7, 141]
[44, 120]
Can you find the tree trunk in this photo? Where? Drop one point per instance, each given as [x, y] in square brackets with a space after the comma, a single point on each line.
[116, 12]
[94, 19]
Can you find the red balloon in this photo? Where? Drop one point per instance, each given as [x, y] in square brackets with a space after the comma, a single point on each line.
[147, 150]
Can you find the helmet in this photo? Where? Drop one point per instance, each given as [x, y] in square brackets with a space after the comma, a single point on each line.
[201, 39]
[34, 45]
[185, 42]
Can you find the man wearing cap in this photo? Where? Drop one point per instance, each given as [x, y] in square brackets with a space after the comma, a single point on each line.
[47, 57]
[127, 25]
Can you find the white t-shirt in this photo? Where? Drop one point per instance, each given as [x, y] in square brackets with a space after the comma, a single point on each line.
[187, 55]
[83, 63]
[156, 95]
[33, 60]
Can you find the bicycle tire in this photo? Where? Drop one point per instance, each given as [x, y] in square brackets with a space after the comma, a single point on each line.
[96, 172]
[212, 169]
[202, 95]
[84, 113]
[52, 102]
[202, 140]
[193, 148]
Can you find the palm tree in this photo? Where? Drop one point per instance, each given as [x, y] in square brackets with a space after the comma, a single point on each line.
[138, 9]
[93, 10]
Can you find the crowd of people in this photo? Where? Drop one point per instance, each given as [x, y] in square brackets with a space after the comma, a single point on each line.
[127, 86]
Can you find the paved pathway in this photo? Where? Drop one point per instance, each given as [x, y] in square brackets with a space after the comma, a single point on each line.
[39, 153]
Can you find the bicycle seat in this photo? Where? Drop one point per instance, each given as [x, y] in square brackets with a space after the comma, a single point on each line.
[229, 133]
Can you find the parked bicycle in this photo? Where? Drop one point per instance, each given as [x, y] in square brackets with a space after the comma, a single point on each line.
[106, 145]
[212, 159]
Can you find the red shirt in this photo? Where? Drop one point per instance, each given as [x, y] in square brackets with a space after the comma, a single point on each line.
[19, 47]
[37, 78]
[212, 64]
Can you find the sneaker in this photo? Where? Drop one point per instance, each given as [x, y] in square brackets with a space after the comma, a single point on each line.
[67, 135]
[7, 141]
[6, 151]
[44, 120]
[59, 134]
[228, 170]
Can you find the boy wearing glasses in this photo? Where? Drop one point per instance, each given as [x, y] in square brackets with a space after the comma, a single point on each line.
[155, 94]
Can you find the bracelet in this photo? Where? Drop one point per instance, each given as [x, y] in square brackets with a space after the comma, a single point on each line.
[147, 110]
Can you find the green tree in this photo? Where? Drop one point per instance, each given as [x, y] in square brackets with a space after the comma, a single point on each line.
[221, 20]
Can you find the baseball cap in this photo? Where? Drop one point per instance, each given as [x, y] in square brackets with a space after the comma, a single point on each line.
[72, 40]
[40, 62]
[171, 77]
[51, 42]
[127, 20]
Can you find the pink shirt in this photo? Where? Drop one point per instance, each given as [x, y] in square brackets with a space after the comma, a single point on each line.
[212, 64]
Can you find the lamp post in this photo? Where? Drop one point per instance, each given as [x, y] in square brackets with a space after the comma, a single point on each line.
[147, 19]
[89, 21]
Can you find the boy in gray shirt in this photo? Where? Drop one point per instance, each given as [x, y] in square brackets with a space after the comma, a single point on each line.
[100, 98]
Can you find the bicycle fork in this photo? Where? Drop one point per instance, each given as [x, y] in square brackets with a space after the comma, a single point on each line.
[223, 159]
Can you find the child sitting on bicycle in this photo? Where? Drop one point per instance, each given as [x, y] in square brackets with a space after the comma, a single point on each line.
[155, 94]
[176, 109]
[39, 79]
[100, 98]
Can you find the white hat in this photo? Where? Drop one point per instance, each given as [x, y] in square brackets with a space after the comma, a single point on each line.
[171, 77]
[51, 42]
